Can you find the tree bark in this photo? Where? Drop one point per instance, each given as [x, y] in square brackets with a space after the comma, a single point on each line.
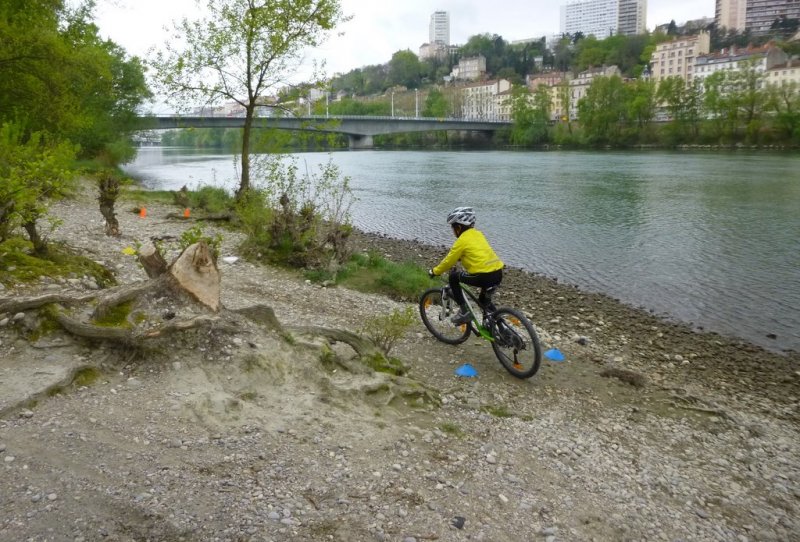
[39, 246]
[152, 261]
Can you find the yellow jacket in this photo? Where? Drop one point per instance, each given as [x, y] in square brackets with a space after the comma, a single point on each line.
[475, 254]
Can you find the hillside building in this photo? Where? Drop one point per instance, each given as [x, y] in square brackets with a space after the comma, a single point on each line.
[677, 58]
[604, 18]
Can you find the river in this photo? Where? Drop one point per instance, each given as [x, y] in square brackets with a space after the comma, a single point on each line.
[708, 238]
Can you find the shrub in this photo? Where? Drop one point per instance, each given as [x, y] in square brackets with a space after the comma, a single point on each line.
[195, 235]
[212, 199]
[386, 330]
[297, 219]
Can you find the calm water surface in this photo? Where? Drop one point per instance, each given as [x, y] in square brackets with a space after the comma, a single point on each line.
[707, 238]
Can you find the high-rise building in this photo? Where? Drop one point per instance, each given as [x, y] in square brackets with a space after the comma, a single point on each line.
[632, 17]
[439, 29]
[762, 13]
[730, 14]
[603, 18]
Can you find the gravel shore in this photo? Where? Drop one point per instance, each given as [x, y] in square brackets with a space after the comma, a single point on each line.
[248, 435]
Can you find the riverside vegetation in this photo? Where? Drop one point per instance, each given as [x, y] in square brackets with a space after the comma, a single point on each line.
[272, 431]
[277, 420]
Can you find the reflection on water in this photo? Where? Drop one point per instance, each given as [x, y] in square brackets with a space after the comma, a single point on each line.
[712, 239]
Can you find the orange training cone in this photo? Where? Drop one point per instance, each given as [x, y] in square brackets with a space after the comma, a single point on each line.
[186, 213]
[142, 212]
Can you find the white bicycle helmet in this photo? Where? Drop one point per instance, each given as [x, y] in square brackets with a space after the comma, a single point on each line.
[462, 215]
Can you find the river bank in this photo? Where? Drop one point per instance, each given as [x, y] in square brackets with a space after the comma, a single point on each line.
[246, 434]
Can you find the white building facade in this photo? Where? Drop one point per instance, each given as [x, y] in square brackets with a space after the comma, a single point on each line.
[677, 58]
[439, 28]
[604, 18]
[730, 14]
[482, 101]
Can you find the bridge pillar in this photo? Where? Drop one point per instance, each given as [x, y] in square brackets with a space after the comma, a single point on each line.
[360, 141]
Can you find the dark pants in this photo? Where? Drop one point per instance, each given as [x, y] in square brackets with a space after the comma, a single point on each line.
[482, 280]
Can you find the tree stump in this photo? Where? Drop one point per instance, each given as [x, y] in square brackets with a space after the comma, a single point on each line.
[152, 261]
[196, 273]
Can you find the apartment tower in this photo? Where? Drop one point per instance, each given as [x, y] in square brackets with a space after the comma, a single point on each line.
[731, 14]
[439, 29]
[762, 13]
[604, 18]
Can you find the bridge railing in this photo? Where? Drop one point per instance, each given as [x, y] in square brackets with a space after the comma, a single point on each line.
[347, 117]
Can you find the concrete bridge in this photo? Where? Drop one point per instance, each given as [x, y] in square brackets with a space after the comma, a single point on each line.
[359, 130]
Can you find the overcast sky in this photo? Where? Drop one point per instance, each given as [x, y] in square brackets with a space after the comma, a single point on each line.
[379, 28]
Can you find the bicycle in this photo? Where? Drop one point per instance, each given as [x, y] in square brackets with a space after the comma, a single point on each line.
[511, 334]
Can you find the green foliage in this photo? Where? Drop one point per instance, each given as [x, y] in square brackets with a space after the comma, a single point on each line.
[498, 411]
[436, 105]
[531, 115]
[35, 171]
[116, 316]
[297, 219]
[385, 330]
[452, 429]
[384, 364]
[240, 52]
[195, 235]
[57, 75]
[405, 69]
[602, 111]
[373, 273]
[212, 199]
[86, 377]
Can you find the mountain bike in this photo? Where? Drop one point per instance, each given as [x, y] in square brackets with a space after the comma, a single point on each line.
[511, 334]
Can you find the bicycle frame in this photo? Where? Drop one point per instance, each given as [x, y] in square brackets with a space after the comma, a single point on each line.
[476, 325]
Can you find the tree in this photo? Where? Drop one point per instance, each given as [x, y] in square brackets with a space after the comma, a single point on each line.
[58, 76]
[405, 69]
[34, 170]
[531, 114]
[784, 101]
[241, 51]
[603, 110]
[436, 104]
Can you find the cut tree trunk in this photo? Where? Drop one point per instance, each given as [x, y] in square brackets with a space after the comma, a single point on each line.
[196, 273]
[152, 261]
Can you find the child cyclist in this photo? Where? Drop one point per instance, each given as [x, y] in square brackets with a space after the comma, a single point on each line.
[482, 267]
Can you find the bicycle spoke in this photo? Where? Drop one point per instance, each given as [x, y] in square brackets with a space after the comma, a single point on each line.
[516, 344]
[436, 312]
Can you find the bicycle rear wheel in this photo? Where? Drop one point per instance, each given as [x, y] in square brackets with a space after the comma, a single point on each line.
[516, 343]
[436, 313]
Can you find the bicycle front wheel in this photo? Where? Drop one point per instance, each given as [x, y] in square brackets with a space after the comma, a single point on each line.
[516, 343]
[436, 313]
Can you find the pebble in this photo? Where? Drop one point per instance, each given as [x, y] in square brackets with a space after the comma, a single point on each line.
[9, 458]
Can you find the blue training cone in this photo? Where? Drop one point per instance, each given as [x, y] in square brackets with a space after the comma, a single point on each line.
[554, 354]
[467, 371]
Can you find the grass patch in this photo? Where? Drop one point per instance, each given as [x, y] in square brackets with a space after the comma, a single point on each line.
[140, 196]
[86, 377]
[372, 273]
[383, 364]
[117, 316]
[211, 199]
[498, 411]
[452, 429]
[18, 264]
